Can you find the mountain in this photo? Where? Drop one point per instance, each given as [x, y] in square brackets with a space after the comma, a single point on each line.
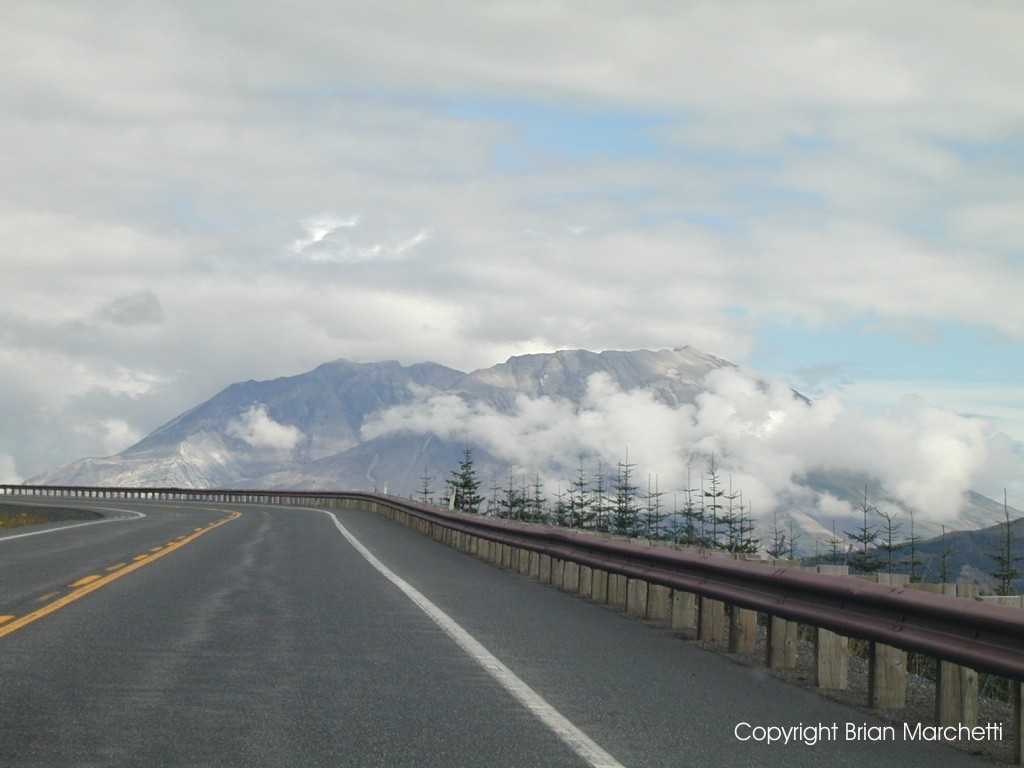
[403, 429]
[304, 431]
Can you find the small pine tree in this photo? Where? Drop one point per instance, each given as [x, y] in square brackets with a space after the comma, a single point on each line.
[464, 485]
[713, 496]
[945, 552]
[599, 499]
[777, 544]
[863, 560]
[654, 511]
[887, 543]
[581, 512]
[912, 560]
[426, 495]
[1006, 571]
[625, 519]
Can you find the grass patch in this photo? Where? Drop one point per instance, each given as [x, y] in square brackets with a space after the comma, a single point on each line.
[18, 515]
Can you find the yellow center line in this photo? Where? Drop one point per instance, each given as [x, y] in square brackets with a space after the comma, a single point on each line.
[5, 619]
[86, 580]
[13, 625]
[47, 596]
[116, 566]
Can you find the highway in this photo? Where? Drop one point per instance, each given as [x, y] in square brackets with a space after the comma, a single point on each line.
[185, 634]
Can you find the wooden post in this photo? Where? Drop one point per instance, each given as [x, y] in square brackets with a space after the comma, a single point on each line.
[599, 586]
[956, 695]
[571, 576]
[534, 565]
[887, 677]
[684, 610]
[617, 598]
[710, 620]
[545, 569]
[742, 630]
[832, 660]
[557, 572]
[659, 603]
[586, 584]
[524, 561]
[636, 597]
[782, 640]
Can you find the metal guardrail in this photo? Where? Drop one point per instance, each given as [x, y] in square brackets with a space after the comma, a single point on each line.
[982, 636]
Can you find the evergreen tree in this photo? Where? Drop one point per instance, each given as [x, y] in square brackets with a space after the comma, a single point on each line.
[654, 513]
[464, 485]
[562, 511]
[581, 512]
[599, 499]
[887, 543]
[426, 495]
[713, 498]
[945, 552]
[913, 561]
[536, 506]
[625, 512]
[777, 545]
[863, 560]
[692, 528]
[1006, 571]
[512, 502]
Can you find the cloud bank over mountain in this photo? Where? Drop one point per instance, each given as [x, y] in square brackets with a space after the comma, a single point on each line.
[765, 438]
[373, 426]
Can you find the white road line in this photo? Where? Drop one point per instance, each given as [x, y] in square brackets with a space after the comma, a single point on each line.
[576, 739]
[79, 525]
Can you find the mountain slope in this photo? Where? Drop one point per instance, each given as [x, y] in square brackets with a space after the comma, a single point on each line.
[386, 426]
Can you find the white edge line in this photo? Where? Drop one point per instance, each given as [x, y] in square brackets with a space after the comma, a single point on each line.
[572, 736]
[79, 525]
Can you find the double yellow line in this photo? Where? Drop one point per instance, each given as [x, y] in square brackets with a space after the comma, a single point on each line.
[90, 584]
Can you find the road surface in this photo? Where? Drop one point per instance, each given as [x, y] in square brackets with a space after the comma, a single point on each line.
[184, 634]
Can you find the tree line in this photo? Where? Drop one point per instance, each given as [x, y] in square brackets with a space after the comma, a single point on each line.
[708, 513]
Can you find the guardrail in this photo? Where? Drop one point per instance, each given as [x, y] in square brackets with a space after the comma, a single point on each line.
[964, 635]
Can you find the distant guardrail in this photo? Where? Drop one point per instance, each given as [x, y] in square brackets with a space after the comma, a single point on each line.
[693, 588]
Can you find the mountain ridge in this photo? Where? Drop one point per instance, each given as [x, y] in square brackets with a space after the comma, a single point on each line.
[388, 426]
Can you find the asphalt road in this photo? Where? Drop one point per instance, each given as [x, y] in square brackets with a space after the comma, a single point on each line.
[198, 636]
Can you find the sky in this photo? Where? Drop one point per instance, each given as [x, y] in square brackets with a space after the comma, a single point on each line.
[197, 193]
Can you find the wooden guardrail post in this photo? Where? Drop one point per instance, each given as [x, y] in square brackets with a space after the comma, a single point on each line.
[742, 630]
[557, 572]
[586, 582]
[599, 585]
[684, 610]
[617, 591]
[571, 576]
[956, 695]
[659, 603]
[710, 619]
[887, 677]
[832, 660]
[780, 652]
[636, 597]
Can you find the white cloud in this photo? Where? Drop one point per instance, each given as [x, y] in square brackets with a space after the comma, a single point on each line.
[259, 430]
[183, 183]
[764, 438]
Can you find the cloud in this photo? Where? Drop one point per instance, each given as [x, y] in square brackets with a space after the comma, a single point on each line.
[259, 430]
[206, 195]
[138, 309]
[765, 439]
